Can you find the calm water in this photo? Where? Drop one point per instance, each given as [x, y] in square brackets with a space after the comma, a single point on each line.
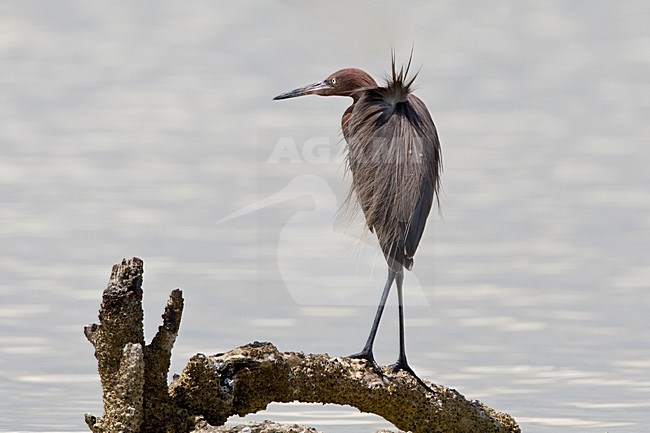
[148, 130]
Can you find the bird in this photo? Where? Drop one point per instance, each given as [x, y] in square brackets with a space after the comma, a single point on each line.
[393, 153]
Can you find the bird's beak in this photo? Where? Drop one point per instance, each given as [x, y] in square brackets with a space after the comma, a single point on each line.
[310, 89]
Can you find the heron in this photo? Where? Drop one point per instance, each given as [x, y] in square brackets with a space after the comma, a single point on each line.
[393, 153]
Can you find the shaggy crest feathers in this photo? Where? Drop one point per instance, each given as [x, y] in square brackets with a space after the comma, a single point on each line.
[398, 85]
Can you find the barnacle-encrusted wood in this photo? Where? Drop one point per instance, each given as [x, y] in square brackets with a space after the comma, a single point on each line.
[245, 380]
[134, 376]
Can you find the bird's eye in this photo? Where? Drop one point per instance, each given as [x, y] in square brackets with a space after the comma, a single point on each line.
[333, 81]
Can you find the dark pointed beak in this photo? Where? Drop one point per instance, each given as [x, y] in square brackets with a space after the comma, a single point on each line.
[310, 89]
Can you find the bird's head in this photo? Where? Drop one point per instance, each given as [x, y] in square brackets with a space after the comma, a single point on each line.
[346, 82]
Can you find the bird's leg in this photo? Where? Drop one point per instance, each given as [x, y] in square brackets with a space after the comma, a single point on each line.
[402, 363]
[366, 352]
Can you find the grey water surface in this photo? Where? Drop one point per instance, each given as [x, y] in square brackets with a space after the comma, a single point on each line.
[147, 129]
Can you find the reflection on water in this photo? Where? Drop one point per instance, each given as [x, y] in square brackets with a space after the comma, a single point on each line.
[129, 130]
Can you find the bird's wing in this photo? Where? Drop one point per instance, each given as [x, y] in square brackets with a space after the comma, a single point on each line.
[429, 173]
[394, 156]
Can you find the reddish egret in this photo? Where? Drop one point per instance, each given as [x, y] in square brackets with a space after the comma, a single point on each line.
[393, 153]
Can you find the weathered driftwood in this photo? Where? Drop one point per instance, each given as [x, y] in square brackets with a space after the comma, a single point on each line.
[247, 379]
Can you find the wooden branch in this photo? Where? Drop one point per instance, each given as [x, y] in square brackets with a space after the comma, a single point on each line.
[245, 380]
[159, 410]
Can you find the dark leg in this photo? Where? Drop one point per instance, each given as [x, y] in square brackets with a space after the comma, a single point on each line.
[402, 363]
[366, 353]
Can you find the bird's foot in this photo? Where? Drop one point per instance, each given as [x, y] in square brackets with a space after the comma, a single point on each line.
[402, 365]
[364, 354]
[368, 356]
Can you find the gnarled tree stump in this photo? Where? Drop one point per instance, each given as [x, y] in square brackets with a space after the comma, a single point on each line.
[134, 375]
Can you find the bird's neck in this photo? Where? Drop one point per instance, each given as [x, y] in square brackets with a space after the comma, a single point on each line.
[359, 81]
[344, 122]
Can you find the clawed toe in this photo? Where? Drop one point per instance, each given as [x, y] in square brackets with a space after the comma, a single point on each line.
[402, 365]
[368, 356]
